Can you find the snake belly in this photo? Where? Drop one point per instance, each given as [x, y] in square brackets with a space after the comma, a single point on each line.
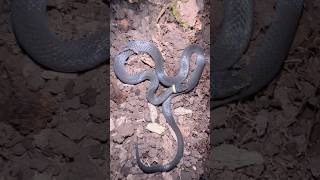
[269, 55]
[30, 26]
[155, 77]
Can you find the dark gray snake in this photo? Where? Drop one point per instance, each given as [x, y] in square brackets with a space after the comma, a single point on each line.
[30, 25]
[230, 83]
[177, 86]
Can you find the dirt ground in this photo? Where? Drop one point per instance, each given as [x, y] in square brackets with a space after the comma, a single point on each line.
[276, 132]
[53, 125]
[130, 111]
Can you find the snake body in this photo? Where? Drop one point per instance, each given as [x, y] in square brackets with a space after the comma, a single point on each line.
[267, 59]
[177, 84]
[30, 25]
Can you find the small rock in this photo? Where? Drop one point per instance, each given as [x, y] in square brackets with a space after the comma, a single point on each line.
[231, 157]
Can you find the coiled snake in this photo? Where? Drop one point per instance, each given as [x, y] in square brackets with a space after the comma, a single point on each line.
[30, 26]
[176, 84]
[228, 83]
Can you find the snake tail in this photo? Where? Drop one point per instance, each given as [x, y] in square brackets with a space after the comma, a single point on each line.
[166, 107]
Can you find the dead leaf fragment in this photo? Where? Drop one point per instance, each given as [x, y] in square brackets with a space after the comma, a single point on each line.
[156, 128]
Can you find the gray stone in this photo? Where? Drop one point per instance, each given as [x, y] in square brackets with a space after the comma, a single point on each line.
[74, 130]
[221, 135]
[230, 157]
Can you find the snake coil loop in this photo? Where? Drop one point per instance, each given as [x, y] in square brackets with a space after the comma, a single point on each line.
[155, 77]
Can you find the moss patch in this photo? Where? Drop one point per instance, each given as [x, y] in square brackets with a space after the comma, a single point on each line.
[176, 14]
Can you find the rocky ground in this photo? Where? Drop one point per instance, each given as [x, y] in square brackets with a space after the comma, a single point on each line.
[276, 132]
[132, 117]
[53, 125]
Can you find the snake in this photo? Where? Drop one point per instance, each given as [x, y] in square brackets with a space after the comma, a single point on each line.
[230, 82]
[176, 85]
[29, 23]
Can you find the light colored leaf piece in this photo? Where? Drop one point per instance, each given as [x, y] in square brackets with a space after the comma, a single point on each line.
[156, 128]
[153, 112]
